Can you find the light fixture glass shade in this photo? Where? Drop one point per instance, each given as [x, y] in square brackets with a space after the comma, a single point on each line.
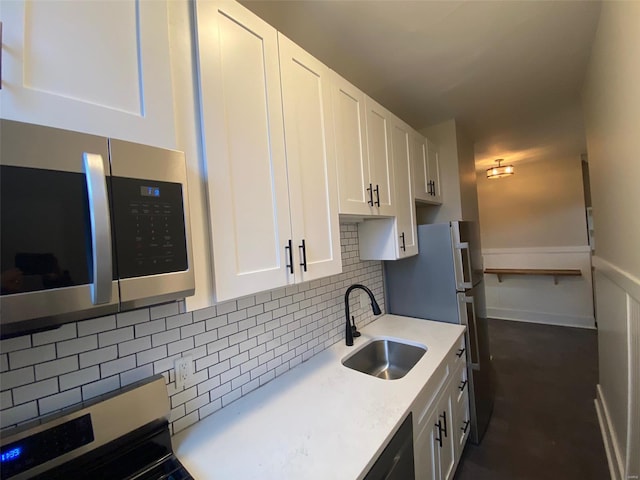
[500, 171]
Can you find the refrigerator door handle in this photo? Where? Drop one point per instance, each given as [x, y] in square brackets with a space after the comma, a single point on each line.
[462, 259]
[472, 326]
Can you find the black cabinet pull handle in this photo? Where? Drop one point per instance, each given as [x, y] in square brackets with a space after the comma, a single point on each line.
[444, 420]
[370, 190]
[465, 426]
[460, 352]
[462, 385]
[304, 255]
[403, 246]
[378, 195]
[439, 434]
[290, 264]
[432, 187]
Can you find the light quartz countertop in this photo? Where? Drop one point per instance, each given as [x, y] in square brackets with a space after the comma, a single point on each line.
[319, 420]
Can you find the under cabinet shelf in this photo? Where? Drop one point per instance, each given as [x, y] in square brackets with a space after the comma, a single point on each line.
[555, 273]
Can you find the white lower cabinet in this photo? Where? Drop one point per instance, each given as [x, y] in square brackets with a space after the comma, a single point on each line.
[441, 425]
[272, 202]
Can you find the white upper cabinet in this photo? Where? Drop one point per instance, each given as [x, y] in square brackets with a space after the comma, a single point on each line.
[311, 162]
[426, 167]
[401, 138]
[243, 143]
[396, 237]
[98, 67]
[270, 154]
[352, 157]
[380, 163]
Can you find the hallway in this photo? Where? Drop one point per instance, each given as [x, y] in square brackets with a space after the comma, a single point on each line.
[544, 424]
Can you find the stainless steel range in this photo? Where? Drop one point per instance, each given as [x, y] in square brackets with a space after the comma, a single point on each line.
[121, 435]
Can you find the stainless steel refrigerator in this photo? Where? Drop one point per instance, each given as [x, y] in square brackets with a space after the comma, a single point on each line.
[445, 283]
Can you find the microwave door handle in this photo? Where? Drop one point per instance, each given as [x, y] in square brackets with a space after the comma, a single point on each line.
[475, 344]
[100, 228]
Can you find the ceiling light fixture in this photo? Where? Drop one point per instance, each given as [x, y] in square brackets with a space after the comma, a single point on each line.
[500, 171]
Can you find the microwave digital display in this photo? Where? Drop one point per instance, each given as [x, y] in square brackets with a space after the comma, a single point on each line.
[150, 191]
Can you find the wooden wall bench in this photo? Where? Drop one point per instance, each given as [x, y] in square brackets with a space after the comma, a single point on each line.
[555, 273]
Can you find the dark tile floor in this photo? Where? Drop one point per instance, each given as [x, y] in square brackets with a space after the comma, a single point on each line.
[544, 424]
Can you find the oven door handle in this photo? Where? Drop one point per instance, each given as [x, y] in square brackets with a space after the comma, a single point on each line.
[100, 228]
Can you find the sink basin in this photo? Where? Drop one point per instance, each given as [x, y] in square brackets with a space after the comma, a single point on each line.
[385, 358]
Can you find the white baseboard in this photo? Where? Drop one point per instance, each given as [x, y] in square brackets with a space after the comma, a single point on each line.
[542, 318]
[616, 468]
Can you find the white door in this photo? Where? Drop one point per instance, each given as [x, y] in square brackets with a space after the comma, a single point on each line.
[405, 204]
[422, 187]
[99, 67]
[243, 142]
[380, 163]
[311, 162]
[426, 452]
[352, 158]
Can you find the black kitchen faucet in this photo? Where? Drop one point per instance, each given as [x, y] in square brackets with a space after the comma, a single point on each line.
[349, 332]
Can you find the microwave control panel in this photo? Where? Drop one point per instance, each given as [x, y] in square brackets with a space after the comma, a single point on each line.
[148, 227]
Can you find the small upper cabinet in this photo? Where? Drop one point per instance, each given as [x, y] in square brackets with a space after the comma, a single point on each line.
[426, 165]
[394, 238]
[95, 67]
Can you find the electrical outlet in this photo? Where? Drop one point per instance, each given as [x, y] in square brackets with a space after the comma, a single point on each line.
[364, 300]
[184, 369]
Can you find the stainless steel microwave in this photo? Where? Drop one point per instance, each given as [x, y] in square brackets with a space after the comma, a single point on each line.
[89, 226]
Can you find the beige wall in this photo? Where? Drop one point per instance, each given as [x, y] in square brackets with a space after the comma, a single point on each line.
[534, 208]
[611, 101]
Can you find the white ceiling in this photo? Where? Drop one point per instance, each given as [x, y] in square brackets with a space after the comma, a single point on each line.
[509, 71]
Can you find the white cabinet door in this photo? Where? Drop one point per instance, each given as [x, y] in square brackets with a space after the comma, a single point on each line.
[380, 161]
[425, 450]
[311, 162]
[99, 67]
[403, 174]
[426, 165]
[352, 157]
[243, 142]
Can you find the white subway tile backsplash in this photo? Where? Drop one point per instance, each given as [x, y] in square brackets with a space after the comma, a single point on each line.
[78, 345]
[56, 368]
[59, 401]
[34, 391]
[117, 366]
[31, 356]
[98, 388]
[17, 378]
[114, 337]
[18, 414]
[98, 356]
[16, 343]
[133, 317]
[131, 376]
[97, 325]
[6, 400]
[81, 377]
[236, 346]
[65, 332]
[179, 320]
[134, 346]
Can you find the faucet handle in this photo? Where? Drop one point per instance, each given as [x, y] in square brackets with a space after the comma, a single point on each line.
[354, 330]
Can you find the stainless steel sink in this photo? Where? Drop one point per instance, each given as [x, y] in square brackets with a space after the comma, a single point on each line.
[385, 358]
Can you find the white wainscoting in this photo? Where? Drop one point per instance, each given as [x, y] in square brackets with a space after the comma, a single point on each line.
[618, 394]
[538, 299]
